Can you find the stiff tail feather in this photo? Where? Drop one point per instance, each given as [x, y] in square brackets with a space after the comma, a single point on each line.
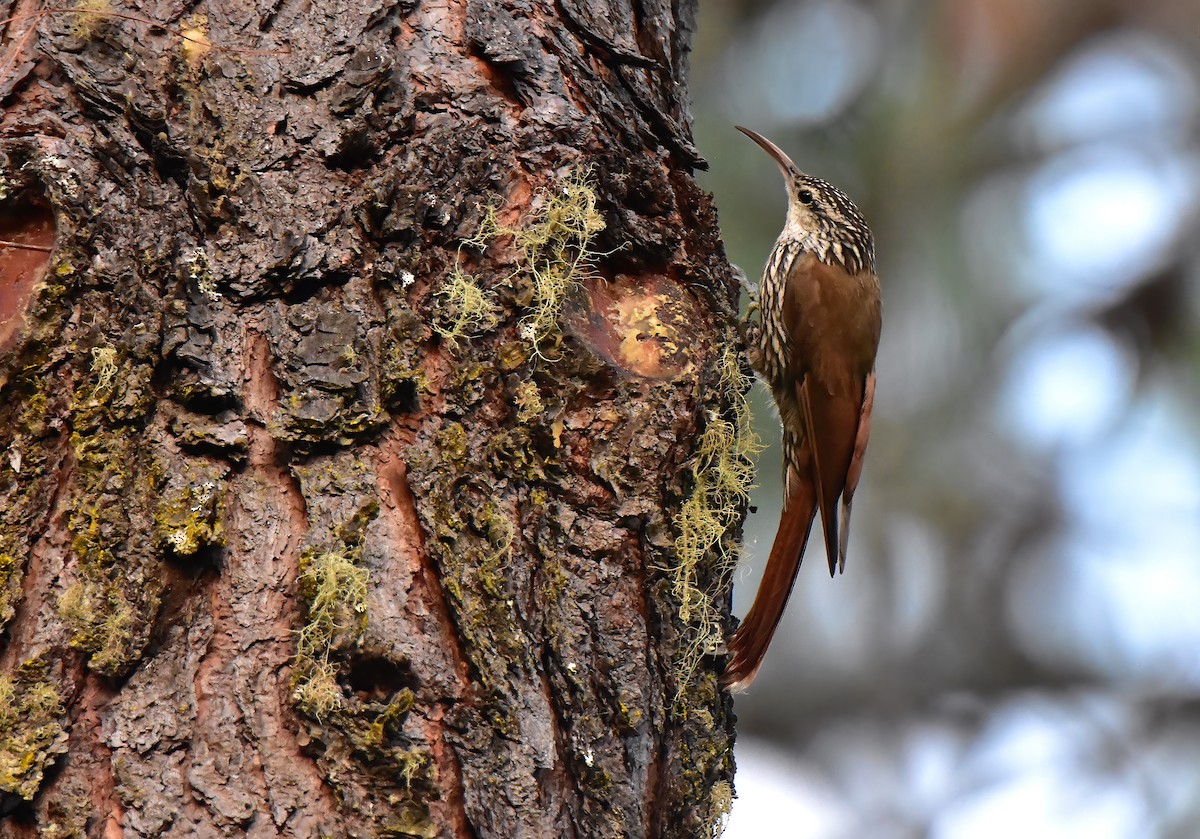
[749, 644]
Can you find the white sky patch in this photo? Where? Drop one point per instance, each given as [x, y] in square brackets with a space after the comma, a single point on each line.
[776, 797]
[1145, 474]
[1138, 554]
[1043, 803]
[1121, 594]
[932, 765]
[1036, 776]
[1036, 768]
[1097, 219]
[1067, 388]
[1127, 84]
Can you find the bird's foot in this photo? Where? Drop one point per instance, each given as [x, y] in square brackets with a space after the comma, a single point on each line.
[750, 289]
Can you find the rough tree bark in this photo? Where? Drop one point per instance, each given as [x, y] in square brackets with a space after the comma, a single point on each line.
[370, 432]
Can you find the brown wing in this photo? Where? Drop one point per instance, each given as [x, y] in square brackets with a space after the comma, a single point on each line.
[833, 318]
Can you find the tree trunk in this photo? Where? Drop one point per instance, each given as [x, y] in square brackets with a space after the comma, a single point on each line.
[373, 448]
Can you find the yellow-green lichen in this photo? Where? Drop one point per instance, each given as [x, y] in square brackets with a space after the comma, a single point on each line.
[195, 43]
[31, 729]
[10, 570]
[529, 401]
[706, 761]
[397, 381]
[25, 475]
[104, 365]
[375, 733]
[553, 248]
[88, 17]
[101, 620]
[511, 355]
[414, 764]
[334, 589]
[722, 477]
[500, 534]
[388, 722]
[67, 816]
[468, 372]
[452, 440]
[33, 419]
[512, 452]
[414, 821]
[190, 518]
[468, 310]
[720, 806]
[109, 593]
[402, 376]
[198, 269]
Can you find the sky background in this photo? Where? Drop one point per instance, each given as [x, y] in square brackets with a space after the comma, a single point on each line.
[1015, 644]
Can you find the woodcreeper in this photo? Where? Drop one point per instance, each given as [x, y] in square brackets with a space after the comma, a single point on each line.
[814, 345]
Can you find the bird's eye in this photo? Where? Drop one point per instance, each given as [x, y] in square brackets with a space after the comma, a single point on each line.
[806, 196]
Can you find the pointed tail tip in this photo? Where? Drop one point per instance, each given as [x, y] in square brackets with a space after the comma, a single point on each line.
[735, 686]
[743, 664]
[833, 550]
[736, 679]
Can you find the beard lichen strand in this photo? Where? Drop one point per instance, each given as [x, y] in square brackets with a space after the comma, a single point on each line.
[551, 249]
[722, 477]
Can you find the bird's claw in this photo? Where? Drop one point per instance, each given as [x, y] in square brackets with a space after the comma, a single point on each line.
[751, 333]
[751, 289]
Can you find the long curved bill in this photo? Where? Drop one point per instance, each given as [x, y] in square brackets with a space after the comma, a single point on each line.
[785, 162]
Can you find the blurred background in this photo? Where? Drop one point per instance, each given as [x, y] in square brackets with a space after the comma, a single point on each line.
[1015, 645]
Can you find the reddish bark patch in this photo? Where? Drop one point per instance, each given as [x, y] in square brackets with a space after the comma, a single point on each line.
[451, 810]
[93, 699]
[429, 603]
[644, 326]
[26, 239]
[399, 507]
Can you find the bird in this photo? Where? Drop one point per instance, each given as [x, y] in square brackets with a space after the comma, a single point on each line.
[819, 321]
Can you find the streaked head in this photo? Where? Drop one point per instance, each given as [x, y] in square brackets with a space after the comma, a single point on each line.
[820, 216]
